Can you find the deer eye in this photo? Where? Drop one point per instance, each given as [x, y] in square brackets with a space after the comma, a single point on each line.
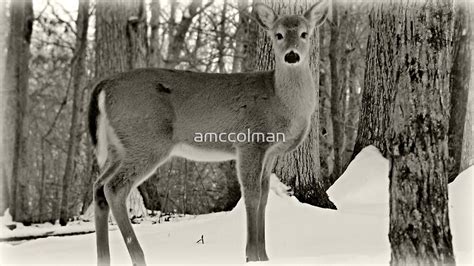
[279, 36]
[304, 35]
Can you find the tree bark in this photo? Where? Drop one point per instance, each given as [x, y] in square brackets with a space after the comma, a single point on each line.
[241, 35]
[300, 168]
[467, 155]
[352, 113]
[251, 33]
[5, 154]
[78, 69]
[406, 115]
[221, 39]
[117, 24]
[156, 59]
[460, 79]
[462, 91]
[337, 116]
[16, 95]
[177, 34]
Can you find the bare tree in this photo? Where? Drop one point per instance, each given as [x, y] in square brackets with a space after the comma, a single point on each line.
[406, 115]
[78, 81]
[16, 92]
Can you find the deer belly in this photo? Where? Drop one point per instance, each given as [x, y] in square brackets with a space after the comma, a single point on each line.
[202, 154]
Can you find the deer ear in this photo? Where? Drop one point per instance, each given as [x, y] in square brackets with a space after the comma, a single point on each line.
[317, 13]
[265, 15]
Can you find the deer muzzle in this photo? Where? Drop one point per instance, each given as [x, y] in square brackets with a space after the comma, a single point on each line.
[292, 57]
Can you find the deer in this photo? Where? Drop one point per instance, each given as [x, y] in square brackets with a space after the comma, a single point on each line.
[141, 118]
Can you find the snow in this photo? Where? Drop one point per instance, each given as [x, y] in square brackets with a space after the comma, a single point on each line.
[297, 233]
[45, 229]
[460, 215]
[364, 185]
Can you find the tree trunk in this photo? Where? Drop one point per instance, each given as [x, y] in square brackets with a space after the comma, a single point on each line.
[352, 113]
[16, 95]
[299, 169]
[120, 36]
[467, 156]
[337, 116]
[78, 81]
[241, 35]
[177, 34]
[221, 39]
[155, 46]
[460, 124]
[150, 193]
[121, 45]
[326, 154]
[406, 114]
[5, 154]
[460, 79]
[251, 33]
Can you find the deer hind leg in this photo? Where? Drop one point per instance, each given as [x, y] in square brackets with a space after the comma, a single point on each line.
[131, 173]
[101, 214]
[265, 187]
[250, 166]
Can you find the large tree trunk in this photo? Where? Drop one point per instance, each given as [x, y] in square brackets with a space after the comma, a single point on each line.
[120, 36]
[121, 45]
[78, 80]
[406, 115]
[16, 95]
[299, 169]
[463, 89]
[467, 156]
[460, 82]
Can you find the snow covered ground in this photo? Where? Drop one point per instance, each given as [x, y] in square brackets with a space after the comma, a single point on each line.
[296, 233]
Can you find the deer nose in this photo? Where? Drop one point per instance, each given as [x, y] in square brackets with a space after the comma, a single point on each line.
[292, 57]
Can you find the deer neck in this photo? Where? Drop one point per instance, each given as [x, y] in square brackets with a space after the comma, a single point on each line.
[294, 86]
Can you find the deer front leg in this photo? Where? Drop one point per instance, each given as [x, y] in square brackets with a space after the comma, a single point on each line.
[265, 187]
[250, 168]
